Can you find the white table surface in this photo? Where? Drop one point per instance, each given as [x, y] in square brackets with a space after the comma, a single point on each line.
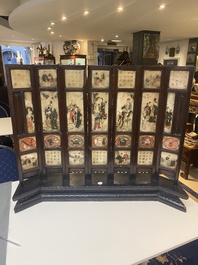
[97, 233]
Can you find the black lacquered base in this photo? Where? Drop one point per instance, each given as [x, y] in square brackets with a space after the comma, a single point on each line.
[31, 192]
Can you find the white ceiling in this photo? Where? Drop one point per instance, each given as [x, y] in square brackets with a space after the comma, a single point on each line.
[31, 19]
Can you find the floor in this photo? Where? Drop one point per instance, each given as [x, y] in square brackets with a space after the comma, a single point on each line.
[192, 181]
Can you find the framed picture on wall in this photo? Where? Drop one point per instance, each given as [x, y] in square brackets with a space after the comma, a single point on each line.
[170, 62]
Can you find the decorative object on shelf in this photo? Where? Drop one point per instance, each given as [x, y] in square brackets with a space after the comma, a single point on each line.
[71, 47]
[177, 49]
[172, 52]
[166, 50]
[41, 49]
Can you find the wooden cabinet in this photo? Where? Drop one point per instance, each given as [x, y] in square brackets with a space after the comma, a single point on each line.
[192, 52]
[146, 47]
[73, 59]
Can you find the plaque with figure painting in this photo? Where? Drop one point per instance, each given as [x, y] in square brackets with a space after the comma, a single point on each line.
[147, 141]
[168, 160]
[99, 157]
[29, 161]
[99, 140]
[27, 143]
[20, 78]
[53, 158]
[123, 141]
[47, 78]
[29, 112]
[169, 112]
[152, 79]
[122, 157]
[50, 111]
[75, 112]
[124, 111]
[74, 78]
[75, 140]
[100, 103]
[178, 79]
[100, 79]
[170, 143]
[52, 140]
[145, 158]
[76, 158]
[149, 111]
[126, 79]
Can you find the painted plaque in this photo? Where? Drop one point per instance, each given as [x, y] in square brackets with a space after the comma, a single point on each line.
[179, 79]
[76, 157]
[145, 158]
[147, 141]
[75, 140]
[123, 141]
[149, 111]
[50, 111]
[126, 79]
[99, 157]
[29, 161]
[100, 111]
[47, 78]
[29, 112]
[168, 160]
[99, 140]
[53, 158]
[124, 111]
[169, 112]
[100, 79]
[122, 157]
[152, 79]
[74, 78]
[75, 113]
[20, 78]
[52, 140]
[27, 143]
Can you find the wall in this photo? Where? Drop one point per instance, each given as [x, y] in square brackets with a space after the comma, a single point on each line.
[181, 56]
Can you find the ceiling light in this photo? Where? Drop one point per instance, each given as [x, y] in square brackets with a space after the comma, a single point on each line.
[52, 23]
[49, 28]
[120, 9]
[64, 18]
[116, 40]
[60, 36]
[102, 40]
[86, 13]
[52, 32]
[116, 36]
[162, 6]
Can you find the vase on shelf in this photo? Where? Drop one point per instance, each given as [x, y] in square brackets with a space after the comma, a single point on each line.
[71, 47]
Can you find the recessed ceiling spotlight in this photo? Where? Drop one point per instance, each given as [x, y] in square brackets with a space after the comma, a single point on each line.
[64, 18]
[116, 36]
[102, 40]
[52, 32]
[86, 13]
[60, 36]
[116, 40]
[120, 9]
[49, 28]
[162, 6]
[52, 23]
